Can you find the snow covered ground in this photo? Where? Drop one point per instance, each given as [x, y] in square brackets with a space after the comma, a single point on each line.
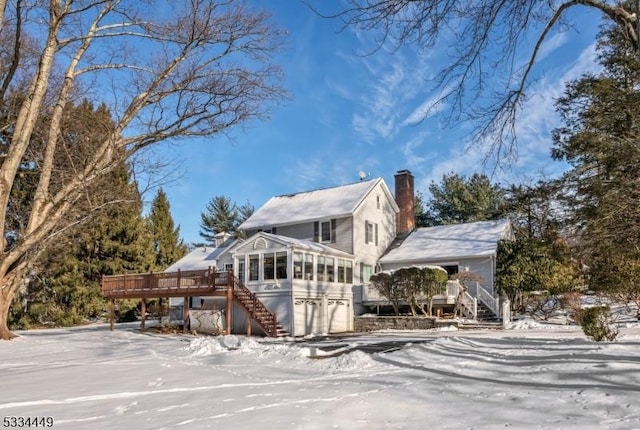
[532, 376]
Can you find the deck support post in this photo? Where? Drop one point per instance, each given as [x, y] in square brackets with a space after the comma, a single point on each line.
[248, 324]
[185, 315]
[229, 303]
[112, 313]
[143, 314]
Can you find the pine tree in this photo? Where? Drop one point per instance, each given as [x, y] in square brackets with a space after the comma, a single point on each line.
[223, 216]
[599, 140]
[458, 199]
[65, 286]
[168, 246]
[64, 281]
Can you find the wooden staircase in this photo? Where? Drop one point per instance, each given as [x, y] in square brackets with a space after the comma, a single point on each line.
[256, 310]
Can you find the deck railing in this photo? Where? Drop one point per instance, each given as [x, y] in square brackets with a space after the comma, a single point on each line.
[190, 283]
[178, 283]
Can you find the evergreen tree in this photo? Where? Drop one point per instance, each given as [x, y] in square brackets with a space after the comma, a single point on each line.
[423, 218]
[223, 216]
[458, 199]
[167, 244]
[64, 280]
[536, 211]
[65, 286]
[599, 139]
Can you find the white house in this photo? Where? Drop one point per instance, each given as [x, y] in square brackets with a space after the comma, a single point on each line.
[306, 251]
[469, 247]
[308, 256]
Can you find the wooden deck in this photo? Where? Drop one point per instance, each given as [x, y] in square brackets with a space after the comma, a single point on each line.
[161, 285]
[187, 284]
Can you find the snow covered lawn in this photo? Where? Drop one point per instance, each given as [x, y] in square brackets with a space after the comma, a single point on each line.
[527, 378]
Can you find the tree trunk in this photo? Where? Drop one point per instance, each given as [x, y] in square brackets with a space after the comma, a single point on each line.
[5, 302]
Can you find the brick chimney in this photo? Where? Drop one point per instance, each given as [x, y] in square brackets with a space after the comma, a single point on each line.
[406, 220]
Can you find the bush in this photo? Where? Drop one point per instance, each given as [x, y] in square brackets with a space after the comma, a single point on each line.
[597, 324]
[571, 302]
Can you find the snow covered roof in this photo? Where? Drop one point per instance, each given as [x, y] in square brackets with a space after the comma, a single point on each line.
[296, 243]
[450, 241]
[296, 208]
[201, 258]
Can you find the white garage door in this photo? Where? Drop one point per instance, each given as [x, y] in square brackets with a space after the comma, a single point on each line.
[338, 314]
[308, 316]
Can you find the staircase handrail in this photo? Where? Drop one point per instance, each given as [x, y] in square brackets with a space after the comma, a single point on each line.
[491, 302]
[268, 320]
[467, 301]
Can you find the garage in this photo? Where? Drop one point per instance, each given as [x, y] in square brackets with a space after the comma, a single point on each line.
[307, 316]
[321, 315]
[338, 315]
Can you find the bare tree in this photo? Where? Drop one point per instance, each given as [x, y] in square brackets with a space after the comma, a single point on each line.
[484, 40]
[166, 70]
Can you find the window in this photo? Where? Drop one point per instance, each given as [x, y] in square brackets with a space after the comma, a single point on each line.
[241, 268]
[325, 231]
[349, 272]
[297, 265]
[228, 267]
[254, 267]
[269, 266]
[308, 267]
[281, 265]
[366, 271]
[375, 233]
[378, 202]
[370, 232]
[320, 268]
[331, 277]
[345, 271]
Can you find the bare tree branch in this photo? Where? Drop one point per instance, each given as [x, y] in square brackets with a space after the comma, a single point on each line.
[202, 67]
[483, 39]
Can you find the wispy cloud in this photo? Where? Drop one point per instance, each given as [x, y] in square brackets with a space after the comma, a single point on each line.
[538, 117]
[430, 107]
[551, 44]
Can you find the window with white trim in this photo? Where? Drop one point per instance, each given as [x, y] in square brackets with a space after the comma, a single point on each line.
[366, 270]
[308, 267]
[370, 232]
[325, 231]
[254, 267]
[297, 265]
[331, 275]
[320, 268]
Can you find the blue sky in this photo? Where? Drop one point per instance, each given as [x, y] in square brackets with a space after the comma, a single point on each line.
[349, 112]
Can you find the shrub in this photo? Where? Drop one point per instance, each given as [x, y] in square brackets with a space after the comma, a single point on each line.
[597, 324]
[571, 302]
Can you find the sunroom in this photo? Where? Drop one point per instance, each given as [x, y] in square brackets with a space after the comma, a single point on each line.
[307, 284]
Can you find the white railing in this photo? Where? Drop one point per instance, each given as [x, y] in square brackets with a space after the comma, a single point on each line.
[370, 294]
[493, 303]
[468, 302]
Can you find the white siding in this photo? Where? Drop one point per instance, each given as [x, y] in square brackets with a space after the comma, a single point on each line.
[384, 216]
